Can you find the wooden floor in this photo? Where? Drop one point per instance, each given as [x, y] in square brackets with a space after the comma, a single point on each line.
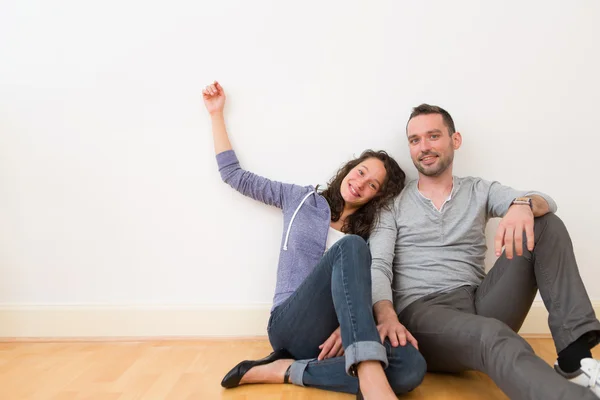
[182, 370]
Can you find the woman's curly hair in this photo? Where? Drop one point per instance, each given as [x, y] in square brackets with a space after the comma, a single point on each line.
[363, 220]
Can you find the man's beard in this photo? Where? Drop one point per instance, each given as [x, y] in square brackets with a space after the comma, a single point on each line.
[442, 164]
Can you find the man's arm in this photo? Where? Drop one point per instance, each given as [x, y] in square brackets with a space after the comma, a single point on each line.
[517, 219]
[384, 311]
[382, 243]
[539, 205]
[500, 198]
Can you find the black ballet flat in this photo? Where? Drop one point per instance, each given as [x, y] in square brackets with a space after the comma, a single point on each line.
[233, 377]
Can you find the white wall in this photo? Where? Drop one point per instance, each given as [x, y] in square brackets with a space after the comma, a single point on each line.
[109, 191]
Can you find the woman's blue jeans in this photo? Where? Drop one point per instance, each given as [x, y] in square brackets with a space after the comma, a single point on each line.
[338, 293]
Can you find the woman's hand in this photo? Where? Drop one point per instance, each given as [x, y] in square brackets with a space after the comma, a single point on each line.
[214, 98]
[332, 347]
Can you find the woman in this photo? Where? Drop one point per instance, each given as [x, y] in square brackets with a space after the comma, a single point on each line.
[323, 277]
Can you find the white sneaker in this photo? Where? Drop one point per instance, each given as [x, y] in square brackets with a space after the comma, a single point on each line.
[587, 376]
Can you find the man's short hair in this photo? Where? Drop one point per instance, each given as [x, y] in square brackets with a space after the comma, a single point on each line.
[426, 109]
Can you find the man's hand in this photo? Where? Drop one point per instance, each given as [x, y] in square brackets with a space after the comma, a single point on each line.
[397, 333]
[332, 347]
[517, 220]
[389, 326]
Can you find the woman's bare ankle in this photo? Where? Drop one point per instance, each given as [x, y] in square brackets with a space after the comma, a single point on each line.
[268, 373]
[373, 382]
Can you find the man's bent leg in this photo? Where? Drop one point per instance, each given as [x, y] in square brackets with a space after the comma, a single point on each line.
[453, 340]
[508, 290]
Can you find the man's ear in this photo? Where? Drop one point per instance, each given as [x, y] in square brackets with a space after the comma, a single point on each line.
[456, 140]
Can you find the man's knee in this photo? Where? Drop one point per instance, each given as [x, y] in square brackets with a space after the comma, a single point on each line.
[407, 368]
[549, 222]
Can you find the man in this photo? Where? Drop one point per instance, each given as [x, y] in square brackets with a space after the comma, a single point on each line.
[428, 272]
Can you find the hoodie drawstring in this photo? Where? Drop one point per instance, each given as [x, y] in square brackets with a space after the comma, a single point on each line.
[287, 235]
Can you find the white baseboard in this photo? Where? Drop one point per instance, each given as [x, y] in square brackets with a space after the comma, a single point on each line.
[132, 321]
[84, 321]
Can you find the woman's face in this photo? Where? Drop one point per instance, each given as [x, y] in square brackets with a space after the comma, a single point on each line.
[363, 182]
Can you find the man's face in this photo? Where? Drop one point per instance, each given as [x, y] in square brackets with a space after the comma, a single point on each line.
[431, 146]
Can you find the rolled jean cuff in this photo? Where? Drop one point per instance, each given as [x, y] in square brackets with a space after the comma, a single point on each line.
[364, 351]
[297, 371]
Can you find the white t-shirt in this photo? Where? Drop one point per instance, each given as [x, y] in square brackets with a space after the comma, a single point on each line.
[332, 237]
